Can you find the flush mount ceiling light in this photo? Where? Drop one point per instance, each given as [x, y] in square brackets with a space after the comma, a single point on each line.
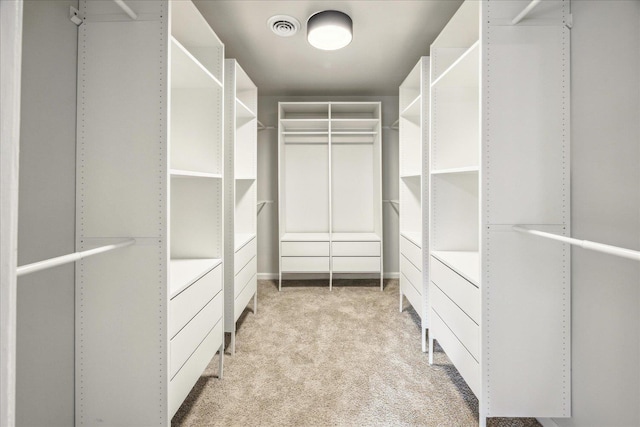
[283, 25]
[329, 30]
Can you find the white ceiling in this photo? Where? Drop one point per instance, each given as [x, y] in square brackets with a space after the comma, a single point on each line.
[388, 39]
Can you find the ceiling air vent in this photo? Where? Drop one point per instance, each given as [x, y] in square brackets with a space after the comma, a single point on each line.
[283, 25]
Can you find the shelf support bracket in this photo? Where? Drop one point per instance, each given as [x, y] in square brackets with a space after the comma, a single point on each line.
[74, 16]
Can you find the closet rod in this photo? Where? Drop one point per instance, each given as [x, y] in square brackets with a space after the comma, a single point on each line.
[125, 7]
[525, 11]
[586, 244]
[66, 259]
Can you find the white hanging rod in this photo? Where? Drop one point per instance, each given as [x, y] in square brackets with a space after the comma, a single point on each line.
[66, 259]
[525, 11]
[126, 9]
[586, 244]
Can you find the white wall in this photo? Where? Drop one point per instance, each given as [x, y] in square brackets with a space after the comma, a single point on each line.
[605, 161]
[46, 223]
[268, 179]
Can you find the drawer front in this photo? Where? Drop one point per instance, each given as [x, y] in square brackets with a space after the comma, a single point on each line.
[243, 277]
[412, 295]
[465, 329]
[305, 249]
[189, 338]
[244, 255]
[186, 378]
[460, 290]
[468, 367]
[245, 296]
[411, 252]
[306, 264]
[355, 249]
[184, 306]
[356, 264]
[413, 274]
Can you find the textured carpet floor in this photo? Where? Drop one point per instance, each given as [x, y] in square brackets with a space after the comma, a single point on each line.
[311, 357]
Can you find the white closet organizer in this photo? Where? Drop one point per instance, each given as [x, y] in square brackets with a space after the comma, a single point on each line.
[330, 188]
[499, 157]
[150, 127]
[414, 191]
[240, 261]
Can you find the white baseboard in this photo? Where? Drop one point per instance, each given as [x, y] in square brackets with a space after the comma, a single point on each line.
[302, 276]
[547, 422]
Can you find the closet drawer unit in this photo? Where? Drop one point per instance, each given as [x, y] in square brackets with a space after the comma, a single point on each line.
[244, 255]
[305, 249]
[184, 306]
[245, 296]
[465, 329]
[189, 338]
[468, 367]
[300, 264]
[465, 294]
[182, 383]
[355, 249]
[360, 264]
[412, 295]
[243, 277]
[413, 274]
[412, 252]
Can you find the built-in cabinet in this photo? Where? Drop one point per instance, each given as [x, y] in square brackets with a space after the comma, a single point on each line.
[499, 300]
[330, 188]
[149, 317]
[240, 220]
[414, 191]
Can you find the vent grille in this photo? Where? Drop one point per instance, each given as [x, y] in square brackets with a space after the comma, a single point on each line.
[283, 25]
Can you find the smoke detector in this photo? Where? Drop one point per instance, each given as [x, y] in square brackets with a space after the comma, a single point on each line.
[283, 25]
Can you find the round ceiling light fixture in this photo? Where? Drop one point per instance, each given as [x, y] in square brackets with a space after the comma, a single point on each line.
[329, 30]
[283, 25]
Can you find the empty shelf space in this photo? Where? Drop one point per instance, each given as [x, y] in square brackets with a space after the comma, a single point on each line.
[414, 237]
[183, 272]
[463, 72]
[187, 71]
[243, 112]
[361, 125]
[309, 125]
[355, 237]
[305, 237]
[179, 173]
[465, 263]
[468, 169]
[412, 112]
[242, 239]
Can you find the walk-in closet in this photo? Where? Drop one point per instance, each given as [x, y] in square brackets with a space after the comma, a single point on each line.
[320, 213]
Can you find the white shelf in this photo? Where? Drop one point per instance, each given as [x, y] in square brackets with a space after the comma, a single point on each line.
[242, 239]
[464, 72]
[464, 170]
[413, 236]
[245, 178]
[355, 237]
[183, 272]
[310, 125]
[465, 263]
[411, 176]
[187, 72]
[243, 113]
[412, 111]
[305, 237]
[179, 173]
[354, 124]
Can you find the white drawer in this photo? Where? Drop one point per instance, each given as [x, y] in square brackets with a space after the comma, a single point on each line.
[244, 255]
[185, 379]
[188, 303]
[412, 252]
[413, 274]
[243, 277]
[306, 264]
[467, 331]
[245, 296]
[360, 264]
[305, 249]
[189, 338]
[468, 367]
[465, 294]
[411, 293]
[355, 248]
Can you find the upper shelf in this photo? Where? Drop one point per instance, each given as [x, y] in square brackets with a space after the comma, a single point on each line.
[243, 113]
[464, 72]
[187, 72]
[310, 125]
[364, 125]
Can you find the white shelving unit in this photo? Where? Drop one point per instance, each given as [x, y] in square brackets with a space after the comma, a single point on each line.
[150, 166]
[414, 191]
[240, 253]
[500, 156]
[330, 188]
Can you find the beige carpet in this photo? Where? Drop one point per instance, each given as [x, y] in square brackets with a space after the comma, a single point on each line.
[343, 358]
